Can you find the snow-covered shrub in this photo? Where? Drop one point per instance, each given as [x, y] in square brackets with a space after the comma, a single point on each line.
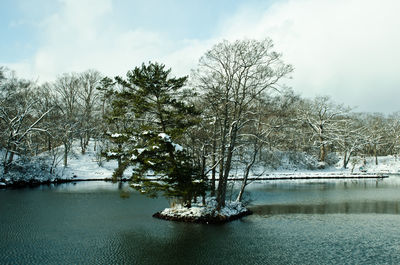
[289, 160]
[302, 160]
[27, 169]
[332, 159]
[271, 159]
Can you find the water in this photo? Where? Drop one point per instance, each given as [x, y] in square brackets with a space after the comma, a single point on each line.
[295, 222]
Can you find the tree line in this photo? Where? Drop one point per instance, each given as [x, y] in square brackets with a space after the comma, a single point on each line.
[232, 112]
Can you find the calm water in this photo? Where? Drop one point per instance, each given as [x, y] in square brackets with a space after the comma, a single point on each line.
[335, 222]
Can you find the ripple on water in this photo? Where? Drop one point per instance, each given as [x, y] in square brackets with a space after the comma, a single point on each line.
[41, 226]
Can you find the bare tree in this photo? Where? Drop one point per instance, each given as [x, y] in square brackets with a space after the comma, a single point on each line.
[89, 100]
[322, 116]
[231, 77]
[376, 133]
[267, 121]
[67, 88]
[393, 129]
[19, 117]
[252, 139]
[349, 137]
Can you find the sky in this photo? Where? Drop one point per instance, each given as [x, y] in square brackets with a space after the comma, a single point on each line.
[346, 49]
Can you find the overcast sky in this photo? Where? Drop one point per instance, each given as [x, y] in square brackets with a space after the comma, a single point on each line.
[348, 49]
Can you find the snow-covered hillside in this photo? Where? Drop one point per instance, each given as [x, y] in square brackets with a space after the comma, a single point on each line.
[386, 164]
[88, 167]
[80, 167]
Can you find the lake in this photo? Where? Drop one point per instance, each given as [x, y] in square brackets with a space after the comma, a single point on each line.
[294, 222]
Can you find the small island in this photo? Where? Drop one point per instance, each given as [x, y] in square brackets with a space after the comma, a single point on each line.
[205, 213]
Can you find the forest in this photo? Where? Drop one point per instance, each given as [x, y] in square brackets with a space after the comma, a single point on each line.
[233, 112]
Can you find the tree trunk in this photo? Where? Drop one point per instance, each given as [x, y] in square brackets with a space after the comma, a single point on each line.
[213, 171]
[345, 160]
[48, 143]
[244, 183]
[83, 147]
[5, 165]
[8, 160]
[204, 177]
[87, 138]
[65, 154]
[222, 192]
[247, 171]
[322, 151]
[221, 182]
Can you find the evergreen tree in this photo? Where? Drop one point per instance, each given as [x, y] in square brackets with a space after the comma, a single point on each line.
[155, 119]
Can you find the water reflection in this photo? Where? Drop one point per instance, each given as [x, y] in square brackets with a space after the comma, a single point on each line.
[356, 207]
[320, 197]
[325, 184]
[180, 243]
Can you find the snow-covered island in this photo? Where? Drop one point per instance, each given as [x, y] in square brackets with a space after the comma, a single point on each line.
[206, 214]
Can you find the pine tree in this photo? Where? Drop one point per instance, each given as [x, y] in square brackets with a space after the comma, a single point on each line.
[155, 119]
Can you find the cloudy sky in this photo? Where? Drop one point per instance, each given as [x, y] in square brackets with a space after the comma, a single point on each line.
[347, 49]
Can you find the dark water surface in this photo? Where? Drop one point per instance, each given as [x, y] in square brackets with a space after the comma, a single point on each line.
[295, 222]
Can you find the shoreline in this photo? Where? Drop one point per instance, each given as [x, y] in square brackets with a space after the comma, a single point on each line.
[35, 183]
[284, 176]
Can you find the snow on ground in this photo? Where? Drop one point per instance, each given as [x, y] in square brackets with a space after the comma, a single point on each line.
[386, 164]
[86, 166]
[204, 213]
[80, 167]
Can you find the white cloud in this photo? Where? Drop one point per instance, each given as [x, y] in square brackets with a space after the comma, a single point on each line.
[81, 36]
[184, 59]
[344, 48]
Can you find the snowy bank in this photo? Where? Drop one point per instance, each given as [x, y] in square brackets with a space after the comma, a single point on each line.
[81, 167]
[206, 214]
[92, 167]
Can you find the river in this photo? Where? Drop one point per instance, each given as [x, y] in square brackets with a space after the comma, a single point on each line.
[294, 222]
